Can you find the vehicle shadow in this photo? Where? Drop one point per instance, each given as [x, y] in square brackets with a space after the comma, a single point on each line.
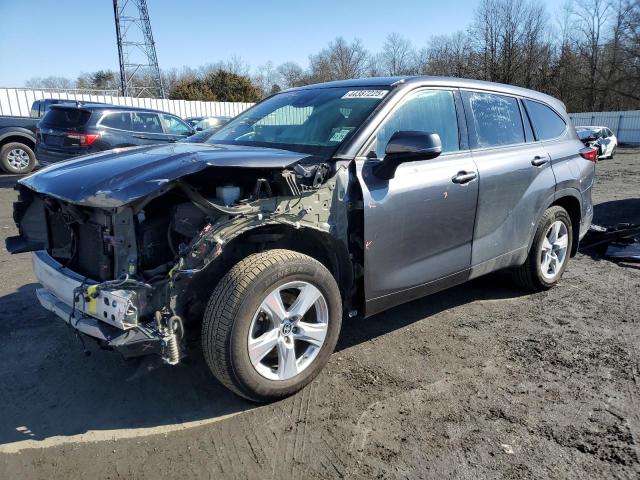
[617, 211]
[495, 286]
[8, 181]
[609, 214]
[51, 389]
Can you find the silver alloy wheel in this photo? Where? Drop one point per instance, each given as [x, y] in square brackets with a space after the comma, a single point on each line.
[18, 158]
[288, 330]
[554, 250]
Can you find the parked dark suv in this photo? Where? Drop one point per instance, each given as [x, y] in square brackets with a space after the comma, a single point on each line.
[321, 202]
[70, 130]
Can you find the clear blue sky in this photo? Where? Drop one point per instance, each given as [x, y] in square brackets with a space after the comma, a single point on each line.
[39, 38]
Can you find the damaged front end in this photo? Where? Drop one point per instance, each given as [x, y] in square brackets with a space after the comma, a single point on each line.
[132, 272]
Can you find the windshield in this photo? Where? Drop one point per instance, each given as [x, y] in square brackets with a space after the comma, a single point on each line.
[315, 121]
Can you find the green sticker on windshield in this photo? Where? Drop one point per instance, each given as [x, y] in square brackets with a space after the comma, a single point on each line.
[339, 134]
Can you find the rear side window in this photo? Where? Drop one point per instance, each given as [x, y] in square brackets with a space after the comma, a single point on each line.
[431, 111]
[119, 120]
[547, 123]
[35, 109]
[66, 117]
[495, 119]
[145, 122]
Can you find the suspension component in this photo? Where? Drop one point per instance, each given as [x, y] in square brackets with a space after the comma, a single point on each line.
[171, 331]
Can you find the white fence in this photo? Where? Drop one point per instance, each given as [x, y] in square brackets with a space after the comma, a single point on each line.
[625, 125]
[17, 102]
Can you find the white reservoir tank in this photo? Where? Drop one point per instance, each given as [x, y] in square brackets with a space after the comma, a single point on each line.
[228, 194]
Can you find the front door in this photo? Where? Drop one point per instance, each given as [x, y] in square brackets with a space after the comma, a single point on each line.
[418, 226]
[176, 129]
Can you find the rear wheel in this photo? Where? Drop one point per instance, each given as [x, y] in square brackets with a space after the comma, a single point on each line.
[549, 252]
[17, 157]
[613, 152]
[271, 324]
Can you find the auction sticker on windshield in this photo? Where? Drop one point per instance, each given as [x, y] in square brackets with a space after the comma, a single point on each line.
[365, 94]
[339, 134]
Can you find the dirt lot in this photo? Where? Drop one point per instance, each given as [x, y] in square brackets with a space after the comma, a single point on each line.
[481, 381]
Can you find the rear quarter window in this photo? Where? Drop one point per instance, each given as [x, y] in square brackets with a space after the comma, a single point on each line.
[495, 119]
[546, 122]
[66, 117]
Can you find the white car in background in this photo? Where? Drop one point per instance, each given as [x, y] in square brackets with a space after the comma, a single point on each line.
[599, 137]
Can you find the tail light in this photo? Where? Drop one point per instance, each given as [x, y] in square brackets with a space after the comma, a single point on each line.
[589, 153]
[83, 139]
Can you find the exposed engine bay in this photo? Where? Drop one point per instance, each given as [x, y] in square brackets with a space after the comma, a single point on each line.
[146, 268]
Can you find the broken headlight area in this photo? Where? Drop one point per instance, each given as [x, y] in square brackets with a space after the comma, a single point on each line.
[122, 275]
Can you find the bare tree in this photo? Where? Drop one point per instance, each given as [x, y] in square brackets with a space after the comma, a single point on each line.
[448, 55]
[339, 61]
[267, 79]
[591, 18]
[50, 82]
[291, 74]
[485, 30]
[397, 56]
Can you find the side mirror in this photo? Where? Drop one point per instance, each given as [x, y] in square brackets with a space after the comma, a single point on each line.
[407, 146]
[199, 129]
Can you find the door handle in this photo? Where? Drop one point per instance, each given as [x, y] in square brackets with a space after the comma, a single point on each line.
[464, 177]
[538, 161]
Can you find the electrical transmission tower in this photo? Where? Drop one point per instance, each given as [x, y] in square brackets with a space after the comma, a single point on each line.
[139, 70]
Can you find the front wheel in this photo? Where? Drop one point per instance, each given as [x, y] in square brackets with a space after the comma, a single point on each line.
[271, 324]
[550, 251]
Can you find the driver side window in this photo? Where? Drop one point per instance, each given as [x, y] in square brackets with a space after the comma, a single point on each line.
[174, 126]
[431, 111]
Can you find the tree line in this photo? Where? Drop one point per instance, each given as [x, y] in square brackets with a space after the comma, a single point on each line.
[588, 56]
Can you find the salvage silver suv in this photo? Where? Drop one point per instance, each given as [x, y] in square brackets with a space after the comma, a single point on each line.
[319, 203]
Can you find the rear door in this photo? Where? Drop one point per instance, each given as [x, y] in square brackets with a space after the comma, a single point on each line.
[516, 179]
[115, 129]
[418, 225]
[147, 129]
[574, 175]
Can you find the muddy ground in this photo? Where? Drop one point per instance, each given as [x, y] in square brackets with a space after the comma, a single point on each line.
[482, 381]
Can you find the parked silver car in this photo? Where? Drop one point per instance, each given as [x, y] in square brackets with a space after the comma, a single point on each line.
[331, 200]
[601, 138]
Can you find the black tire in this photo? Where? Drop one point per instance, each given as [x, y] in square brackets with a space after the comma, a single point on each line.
[11, 148]
[613, 152]
[529, 275]
[232, 307]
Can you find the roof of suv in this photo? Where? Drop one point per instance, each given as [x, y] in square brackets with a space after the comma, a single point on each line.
[424, 80]
[103, 106]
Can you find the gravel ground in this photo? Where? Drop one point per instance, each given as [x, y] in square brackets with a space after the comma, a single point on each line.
[481, 381]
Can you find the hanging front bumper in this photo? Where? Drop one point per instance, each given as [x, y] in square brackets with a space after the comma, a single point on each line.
[110, 318]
